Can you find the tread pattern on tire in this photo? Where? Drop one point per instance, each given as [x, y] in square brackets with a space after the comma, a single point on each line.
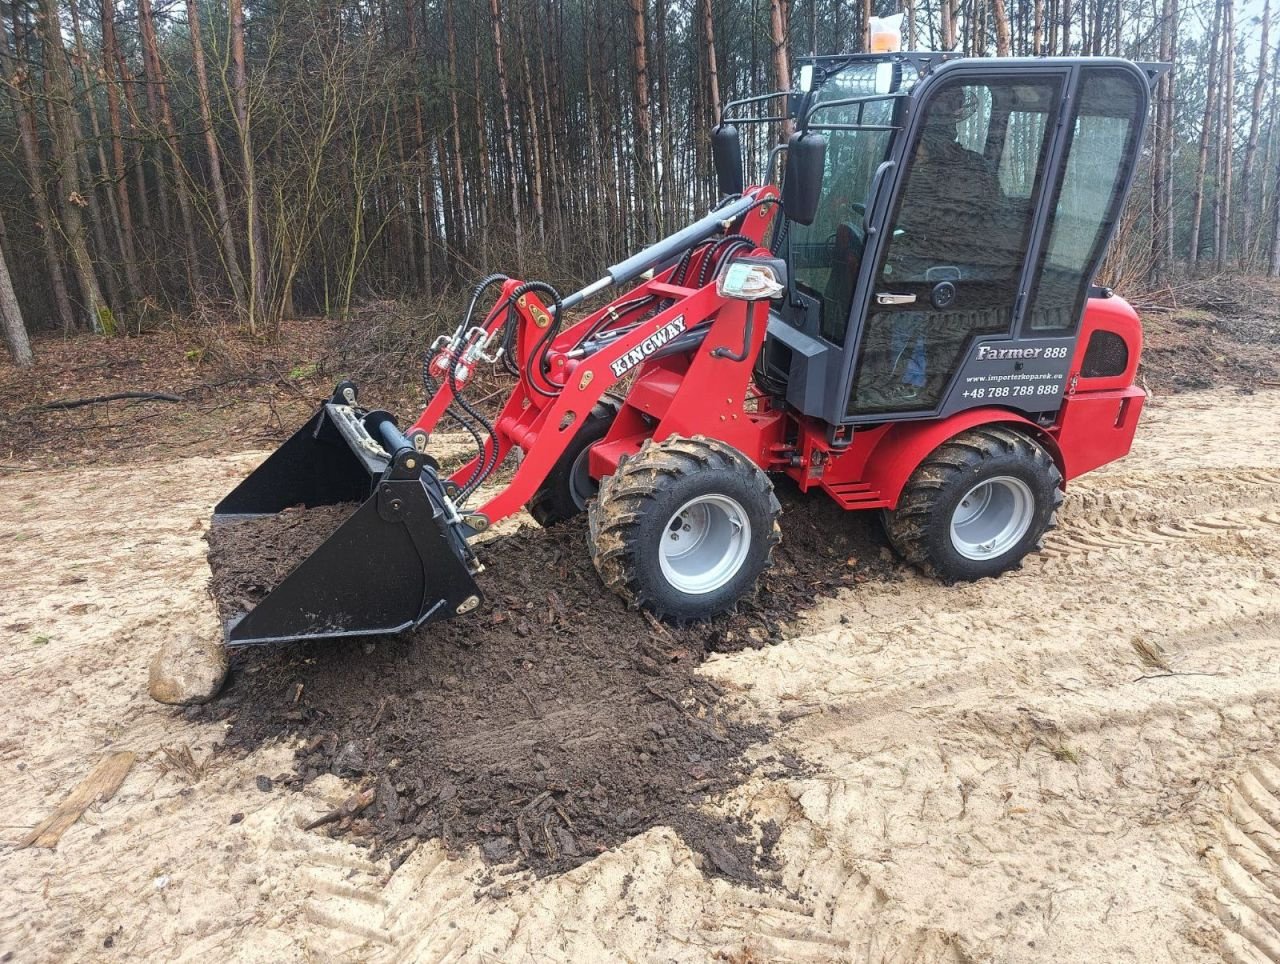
[909, 525]
[640, 478]
[544, 505]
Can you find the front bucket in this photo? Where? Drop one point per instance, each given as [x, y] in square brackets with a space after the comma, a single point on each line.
[395, 563]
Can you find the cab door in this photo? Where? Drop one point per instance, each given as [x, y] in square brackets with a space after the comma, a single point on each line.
[951, 253]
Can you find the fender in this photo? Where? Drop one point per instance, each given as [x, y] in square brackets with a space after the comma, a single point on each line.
[900, 450]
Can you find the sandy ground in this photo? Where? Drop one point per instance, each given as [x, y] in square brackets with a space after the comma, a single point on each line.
[999, 772]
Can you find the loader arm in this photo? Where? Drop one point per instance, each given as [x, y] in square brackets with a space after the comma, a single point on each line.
[674, 324]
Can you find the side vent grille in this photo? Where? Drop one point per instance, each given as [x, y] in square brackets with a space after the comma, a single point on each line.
[1106, 356]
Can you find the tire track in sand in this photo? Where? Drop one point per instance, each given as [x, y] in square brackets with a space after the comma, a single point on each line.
[1246, 861]
[1165, 509]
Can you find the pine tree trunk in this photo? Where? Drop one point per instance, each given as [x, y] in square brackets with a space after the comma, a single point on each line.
[120, 172]
[425, 212]
[666, 208]
[644, 122]
[28, 138]
[117, 72]
[151, 51]
[1206, 135]
[1273, 261]
[485, 203]
[1226, 131]
[1248, 192]
[106, 264]
[226, 236]
[152, 81]
[781, 64]
[534, 127]
[240, 103]
[554, 128]
[1001, 17]
[11, 324]
[459, 188]
[70, 196]
[713, 73]
[1268, 194]
[1162, 152]
[508, 138]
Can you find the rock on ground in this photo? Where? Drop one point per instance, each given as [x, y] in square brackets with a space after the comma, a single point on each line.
[188, 669]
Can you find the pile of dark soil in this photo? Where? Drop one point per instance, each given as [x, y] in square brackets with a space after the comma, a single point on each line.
[549, 725]
[249, 558]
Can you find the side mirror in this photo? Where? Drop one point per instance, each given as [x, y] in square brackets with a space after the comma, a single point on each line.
[727, 151]
[802, 181]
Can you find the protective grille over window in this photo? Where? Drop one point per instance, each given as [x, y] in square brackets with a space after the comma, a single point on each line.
[1106, 356]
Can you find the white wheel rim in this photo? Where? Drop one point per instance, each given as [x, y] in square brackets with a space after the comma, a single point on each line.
[992, 517]
[704, 544]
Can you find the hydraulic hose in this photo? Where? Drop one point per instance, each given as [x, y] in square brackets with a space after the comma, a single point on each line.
[724, 248]
[540, 348]
[483, 469]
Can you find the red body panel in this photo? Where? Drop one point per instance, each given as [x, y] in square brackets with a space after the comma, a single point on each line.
[709, 390]
[1100, 415]
[1095, 425]
[872, 471]
[700, 394]
[1117, 316]
[1095, 428]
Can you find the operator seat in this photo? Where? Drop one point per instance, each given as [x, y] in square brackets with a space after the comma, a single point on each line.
[846, 261]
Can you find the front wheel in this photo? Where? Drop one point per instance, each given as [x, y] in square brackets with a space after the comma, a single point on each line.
[568, 487]
[684, 528]
[977, 505]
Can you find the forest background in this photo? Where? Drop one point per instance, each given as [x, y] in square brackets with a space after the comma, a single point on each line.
[170, 162]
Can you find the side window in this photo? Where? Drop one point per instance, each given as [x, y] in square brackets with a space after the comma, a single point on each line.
[1018, 162]
[827, 255]
[958, 241]
[974, 128]
[1089, 195]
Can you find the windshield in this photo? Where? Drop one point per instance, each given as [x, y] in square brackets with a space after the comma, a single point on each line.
[826, 255]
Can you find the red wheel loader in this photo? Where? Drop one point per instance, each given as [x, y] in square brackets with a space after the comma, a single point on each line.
[908, 325]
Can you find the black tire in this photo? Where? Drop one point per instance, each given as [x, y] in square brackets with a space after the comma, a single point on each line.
[920, 529]
[564, 493]
[637, 508]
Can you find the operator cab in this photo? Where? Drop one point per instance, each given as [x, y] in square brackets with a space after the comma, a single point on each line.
[964, 207]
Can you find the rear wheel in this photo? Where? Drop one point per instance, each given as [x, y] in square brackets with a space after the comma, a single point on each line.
[568, 487]
[684, 528]
[977, 505]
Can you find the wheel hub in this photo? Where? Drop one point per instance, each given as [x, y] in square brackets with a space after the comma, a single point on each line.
[992, 517]
[582, 487]
[704, 544]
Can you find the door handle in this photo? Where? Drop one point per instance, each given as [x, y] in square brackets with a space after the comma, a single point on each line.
[889, 298]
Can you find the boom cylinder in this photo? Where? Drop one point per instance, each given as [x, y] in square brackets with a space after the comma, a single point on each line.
[636, 265]
[685, 238]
